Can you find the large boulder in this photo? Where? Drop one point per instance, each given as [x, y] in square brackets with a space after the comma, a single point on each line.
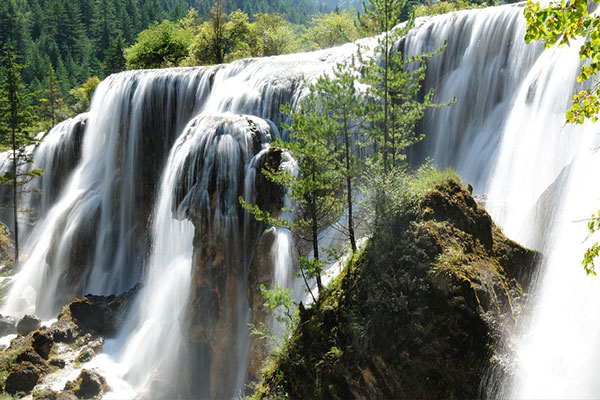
[88, 385]
[34, 358]
[42, 343]
[22, 379]
[419, 314]
[28, 323]
[100, 314]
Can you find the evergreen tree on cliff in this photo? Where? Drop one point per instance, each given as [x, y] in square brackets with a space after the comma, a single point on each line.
[15, 116]
[341, 102]
[382, 16]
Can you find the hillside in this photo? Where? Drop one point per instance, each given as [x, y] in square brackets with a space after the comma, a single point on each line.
[84, 38]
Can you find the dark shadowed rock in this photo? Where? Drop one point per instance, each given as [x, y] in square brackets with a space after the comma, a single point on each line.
[42, 343]
[32, 357]
[101, 314]
[28, 323]
[57, 362]
[22, 378]
[63, 334]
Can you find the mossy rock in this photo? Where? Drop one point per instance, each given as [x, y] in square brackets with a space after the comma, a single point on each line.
[419, 314]
[22, 378]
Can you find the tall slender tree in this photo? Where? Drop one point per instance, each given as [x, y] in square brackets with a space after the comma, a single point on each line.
[52, 100]
[381, 16]
[15, 116]
[341, 102]
[315, 186]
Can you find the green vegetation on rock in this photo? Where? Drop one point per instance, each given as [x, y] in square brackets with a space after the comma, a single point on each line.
[418, 313]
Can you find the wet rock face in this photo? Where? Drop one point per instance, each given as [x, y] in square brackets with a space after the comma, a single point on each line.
[99, 314]
[260, 273]
[419, 315]
[89, 385]
[226, 244]
[271, 195]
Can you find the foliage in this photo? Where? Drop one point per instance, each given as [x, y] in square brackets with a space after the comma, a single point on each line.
[83, 94]
[52, 104]
[563, 23]
[391, 196]
[381, 16]
[332, 29]
[430, 8]
[297, 11]
[285, 309]
[592, 253]
[271, 34]
[114, 56]
[161, 45]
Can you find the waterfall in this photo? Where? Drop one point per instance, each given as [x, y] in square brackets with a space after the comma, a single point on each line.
[56, 155]
[210, 149]
[161, 146]
[507, 136]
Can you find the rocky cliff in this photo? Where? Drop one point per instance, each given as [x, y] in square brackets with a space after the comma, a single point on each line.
[418, 314]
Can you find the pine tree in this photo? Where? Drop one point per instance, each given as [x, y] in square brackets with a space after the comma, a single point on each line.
[382, 16]
[315, 187]
[396, 104]
[114, 58]
[52, 101]
[342, 103]
[15, 116]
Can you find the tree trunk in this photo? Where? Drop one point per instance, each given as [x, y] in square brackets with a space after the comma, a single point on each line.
[386, 135]
[315, 240]
[349, 186]
[14, 190]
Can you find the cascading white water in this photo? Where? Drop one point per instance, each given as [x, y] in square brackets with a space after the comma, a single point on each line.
[214, 146]
[133, 121]
[56, 156]
[505, 135]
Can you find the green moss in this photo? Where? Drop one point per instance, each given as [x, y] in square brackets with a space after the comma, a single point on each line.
[7, 359]
[428, 178]
[43, 394]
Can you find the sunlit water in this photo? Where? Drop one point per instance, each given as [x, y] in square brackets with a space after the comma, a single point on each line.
[505, 134]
